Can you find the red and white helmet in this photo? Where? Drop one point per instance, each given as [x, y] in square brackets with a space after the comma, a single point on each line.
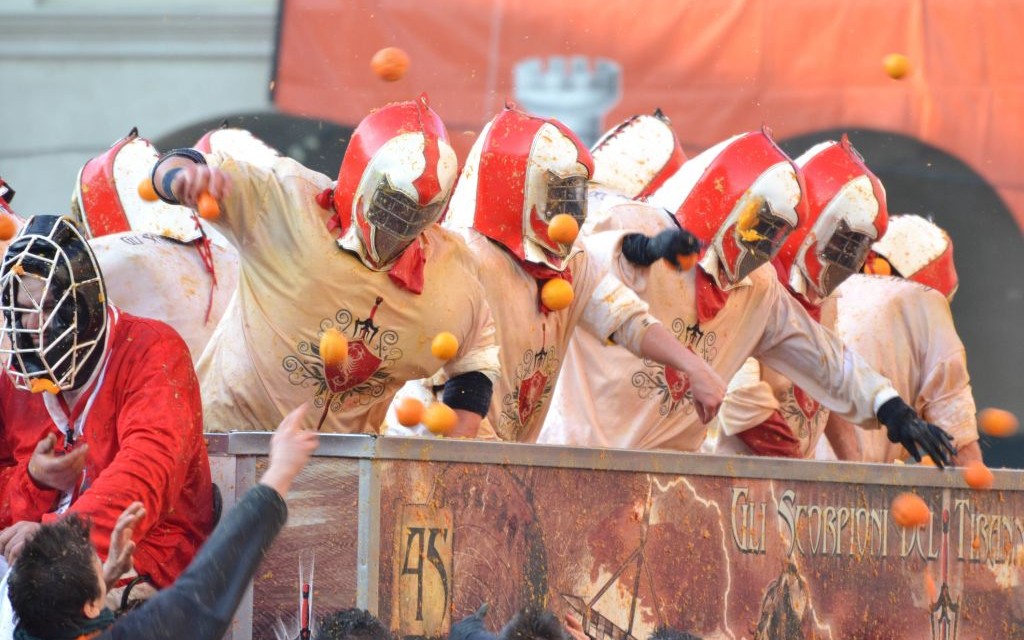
[636, 156]
[846, 212]
[921, 251]
[106, 198]
[6, 195]
[394, 180]
[522, 171]
[741, 198]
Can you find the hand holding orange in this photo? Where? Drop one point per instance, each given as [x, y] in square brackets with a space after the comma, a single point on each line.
[208, 207]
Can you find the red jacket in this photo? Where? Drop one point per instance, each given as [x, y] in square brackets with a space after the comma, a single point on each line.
[145, 436]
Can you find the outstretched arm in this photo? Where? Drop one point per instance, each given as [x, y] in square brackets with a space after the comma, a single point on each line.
[202, 603]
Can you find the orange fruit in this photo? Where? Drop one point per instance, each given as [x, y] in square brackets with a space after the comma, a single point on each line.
[390, 63]
[556, 294]
[409, 412]
[444, 346]
[146, 190]
[333, 347]
[909, 510]
[39, 385]
[997, 422]
[440, 419]
[8, 227]
[896, 65]
[977, 475]
[686, 261]
[878, 267]
[926, 460]
[563, 229]
[208, 207]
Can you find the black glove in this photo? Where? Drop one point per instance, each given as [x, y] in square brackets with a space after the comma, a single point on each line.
[669, 244]
[905, 427]
[472, 627]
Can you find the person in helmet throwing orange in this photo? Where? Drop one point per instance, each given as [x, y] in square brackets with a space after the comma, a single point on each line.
[363, 257]
[524, 177]
[909, 280]
[741, 198]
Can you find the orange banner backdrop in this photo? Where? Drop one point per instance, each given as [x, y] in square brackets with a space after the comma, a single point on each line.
[716, 68]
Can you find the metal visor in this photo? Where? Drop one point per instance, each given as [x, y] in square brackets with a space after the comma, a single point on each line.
[396, 219]
[566, 195]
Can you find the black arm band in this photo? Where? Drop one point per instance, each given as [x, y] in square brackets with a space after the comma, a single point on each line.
[469, 392]
[168, 197]
[635, 248]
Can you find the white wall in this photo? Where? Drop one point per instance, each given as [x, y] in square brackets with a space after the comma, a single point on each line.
[76, 75]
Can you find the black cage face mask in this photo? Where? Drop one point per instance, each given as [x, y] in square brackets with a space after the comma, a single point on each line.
[53, 304]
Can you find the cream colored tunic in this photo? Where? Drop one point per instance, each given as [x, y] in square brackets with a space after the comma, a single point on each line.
[608, 397]
[533, 343]
[295, 282]
[905, 330]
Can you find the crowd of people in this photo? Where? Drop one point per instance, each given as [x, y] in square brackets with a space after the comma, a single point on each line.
[622, 296]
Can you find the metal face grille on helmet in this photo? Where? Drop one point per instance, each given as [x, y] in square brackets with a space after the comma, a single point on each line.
[566, 195]
[53, 305]
[767, 233]
[398, 214]
[847, 248]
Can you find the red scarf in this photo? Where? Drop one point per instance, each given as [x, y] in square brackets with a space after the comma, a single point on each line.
[407, 272]
[710, 297]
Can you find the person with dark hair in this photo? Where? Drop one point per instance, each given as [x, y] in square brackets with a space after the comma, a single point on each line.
[532, 623]
[352, 624]
[57, 584]
[49, 603]
[472, 627]
[98, 409]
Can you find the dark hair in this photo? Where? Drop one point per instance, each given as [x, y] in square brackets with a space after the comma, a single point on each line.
[352, 623]
[533, 624]
[54, 578]
[668, 633]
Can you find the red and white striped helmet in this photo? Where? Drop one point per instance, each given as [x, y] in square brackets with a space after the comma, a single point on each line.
[394, 180]
[921, 251]
[741, 198]
[106, 198]
[522, 171]
[846, 213]
[636, 156]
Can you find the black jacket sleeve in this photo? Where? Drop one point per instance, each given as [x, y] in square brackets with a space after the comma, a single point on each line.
[202, 603]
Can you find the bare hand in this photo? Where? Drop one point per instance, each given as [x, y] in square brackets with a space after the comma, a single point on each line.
[707, 388]
[195, 179]
[119, 558]
[14, 537]
[60, 472]
[290, 450]
[575, 628]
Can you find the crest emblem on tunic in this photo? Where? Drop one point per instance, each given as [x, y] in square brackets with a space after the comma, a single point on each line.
[533, 383]
[671, 388]
[362, 377]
